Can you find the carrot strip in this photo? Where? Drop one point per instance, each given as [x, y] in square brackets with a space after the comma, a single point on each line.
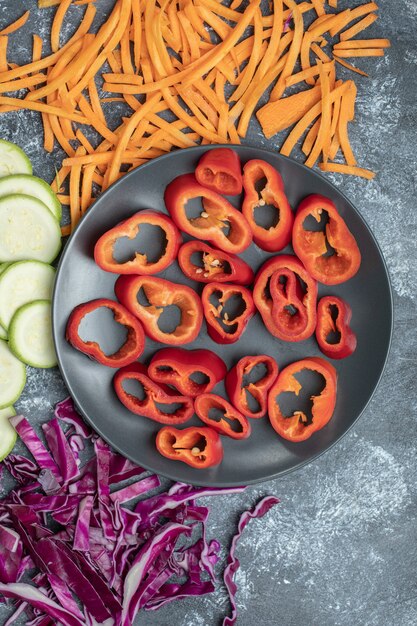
[345, 116]
[309, 73]
[3, 54]
[57, 23]
[60, 178]
[310, 138]
[318, 7]
[358, 27]
[126, 54]
[280, 114]
[63, 198]
[233, 134]
[293, 53]
[74, 191]
[66, 230]
[334, 146]
[353, 14]
[350, 67]
[95, 101]
[196, 21]
[190, 121]
[362, 43]
[219, 85]
[361, 52]
[126, 135]
[341, 168]
[14, 26]
[86, 188]
[322, 142]
[335, 115]
[16, 103]
[196, 104]
[249, 72]
[320, 53]
[94, 121]
[191, 36]
[333, 4]
[137, 31]
[307, 119]
[183, 138]
[84, 141]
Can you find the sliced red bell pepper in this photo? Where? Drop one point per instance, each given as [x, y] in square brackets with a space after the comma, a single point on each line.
[104, 248]
[279, 235]
[215, 264]
[219, 223]
[176, 366]
[161, 293]
[288, 309]
[237, 388]
[127, 353]
[298, 427]
[197, 446]
[220, 170]
[224, 327]
[312, 246]
[333, 318]
[154, 396]
[218, 413]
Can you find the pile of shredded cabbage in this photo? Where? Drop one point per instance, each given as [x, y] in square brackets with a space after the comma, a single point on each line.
[87, 559]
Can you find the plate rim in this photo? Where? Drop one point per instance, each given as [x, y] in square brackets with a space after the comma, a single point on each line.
[201, 149]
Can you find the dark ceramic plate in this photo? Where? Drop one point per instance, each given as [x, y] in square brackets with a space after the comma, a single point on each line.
[264, 455]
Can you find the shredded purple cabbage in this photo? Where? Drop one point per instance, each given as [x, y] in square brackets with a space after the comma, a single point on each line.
[105, 562]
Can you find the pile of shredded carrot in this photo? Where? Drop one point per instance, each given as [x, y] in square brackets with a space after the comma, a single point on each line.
[200, 64]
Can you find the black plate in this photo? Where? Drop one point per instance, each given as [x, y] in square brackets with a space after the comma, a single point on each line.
[264, 455]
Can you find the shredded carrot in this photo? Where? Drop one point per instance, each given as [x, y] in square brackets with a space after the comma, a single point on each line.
[346, 115]
[362, 43]
[322, 143]
[319, 7]
[342, 168]
[295, 48]
[358, 27]
[66, 230]
[320, 53]
[57, 23]
[16, 25]
[310, 138]
[333, 4]
[3, 54]
[280, 114]
[349, 66]
[360, 52]
[74, 188]
[86, 188]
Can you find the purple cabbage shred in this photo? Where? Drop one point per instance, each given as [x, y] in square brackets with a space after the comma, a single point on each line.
[101, 562]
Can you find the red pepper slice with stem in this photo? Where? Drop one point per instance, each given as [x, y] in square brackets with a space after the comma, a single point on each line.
[155, 397]
[220, 170]
[219, 222]
[157, 294]
[218, 413]
[298, 426]
[177, 366]
[239, 384]
[331, 256]
[286, 295]
[127, 353]
[226, 323]
[213, 264]
[199, 447]
[278, 235]
[104, 250]
[334, 335]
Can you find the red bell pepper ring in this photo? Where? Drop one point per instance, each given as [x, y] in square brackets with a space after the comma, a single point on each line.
[175, 366]
[104, 248]
[278, 236]
[311, 246]
[127, 353]
[298, 427]
[219, 223]
[333, 317]
[237, 388]
[224, 327]
[155, 395]
[199, 447]
[288, 310]
[215, 265]
[161, 293]
[220, 170]
[205, 403]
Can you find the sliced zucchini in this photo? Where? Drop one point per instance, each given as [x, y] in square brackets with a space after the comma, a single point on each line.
[8, 435]
[3, 333]
[12, 376]
[23, 282]
[31, 186]
[13, 160]
[4, 266]
[30, 334]
[28, 230]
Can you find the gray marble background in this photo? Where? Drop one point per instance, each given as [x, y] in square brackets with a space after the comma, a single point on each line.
[340, 549]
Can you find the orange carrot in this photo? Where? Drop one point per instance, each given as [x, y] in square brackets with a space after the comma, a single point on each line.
[362, 43]
[57, 23]
[361, 52]
[280, 114]
[349, 66]
[358, 27]
[3, 54]
[351, 170]
[14, 26]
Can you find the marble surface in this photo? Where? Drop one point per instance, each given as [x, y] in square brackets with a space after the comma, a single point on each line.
[341, 548]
